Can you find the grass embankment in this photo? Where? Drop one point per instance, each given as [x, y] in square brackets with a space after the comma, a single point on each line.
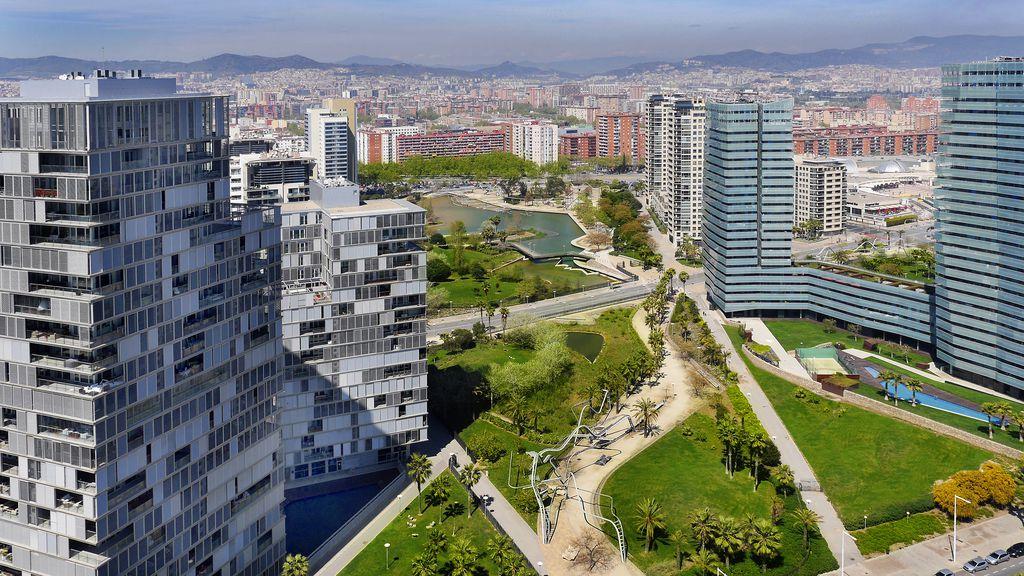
[408, 536]
[793, 334]
[684, 472]
[868, 464]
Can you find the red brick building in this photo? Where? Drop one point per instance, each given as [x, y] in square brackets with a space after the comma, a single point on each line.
[577, 145]
[620, 134]
[455, 143]
[863, 141]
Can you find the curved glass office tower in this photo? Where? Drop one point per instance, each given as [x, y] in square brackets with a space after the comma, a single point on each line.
[979, 295]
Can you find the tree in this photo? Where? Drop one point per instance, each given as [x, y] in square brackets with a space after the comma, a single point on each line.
[704, 560]
[438, 270]
[729, 539]
[914, 386]
[462, 557]
[646, 412]
[830, 325]
[758, 447]
[501, 550]
[678, 540]
[424, 565]
[490, 313]
[649, 520]
[889, 377]
[295, 565]
[1018, 419]
[594, 555]
[782, 478]
[842, 257]
[598, 239]
[440, 492]
[418, 470]
[437, 542]
[457, 242]
[488, 231]
[503, 311]
[703, 524]
[778, 506]
[989, 409]
[518, 409]
[1004, 410]
[807, 520]
[764, 542]
[854, 329]
[469, 475]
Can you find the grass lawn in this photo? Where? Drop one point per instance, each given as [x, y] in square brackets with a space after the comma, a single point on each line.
[514, 447]
[883, 467]
[899, 533]
[405, 546]
[793, 334]
[684, 473]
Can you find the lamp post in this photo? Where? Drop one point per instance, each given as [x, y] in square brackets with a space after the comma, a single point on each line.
[842, 552]
[956, 499]
[387, 555]
[720, 572]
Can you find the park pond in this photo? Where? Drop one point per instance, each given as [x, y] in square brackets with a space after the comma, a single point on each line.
[555, 231]
[588, 344]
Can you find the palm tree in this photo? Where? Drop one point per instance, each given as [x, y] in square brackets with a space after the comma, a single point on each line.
[841, 256]
[889, 377]
[649, 518]
[757, 446]
[462, 557]
[678, 540]
[782, 477]
[500, 549]
[1018, 419]
[469, 475]
[295, 565]
[418, 469]
[764, 541]
[1004, 412]
[437, 542]
[503, 311]
[518, 411]
[989, 409]
[729, 538]
[914, 386]
[646, 411]
[807, 520]
[704, 560]
[490, 313]
[703, 524]
[440, 492]
[424, 565]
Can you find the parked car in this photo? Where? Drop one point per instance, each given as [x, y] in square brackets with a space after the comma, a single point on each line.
[976, 565]
[1016, 551]
[997, 557]
[944, 572]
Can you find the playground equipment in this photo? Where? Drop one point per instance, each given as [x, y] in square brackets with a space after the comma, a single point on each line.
[582, 438]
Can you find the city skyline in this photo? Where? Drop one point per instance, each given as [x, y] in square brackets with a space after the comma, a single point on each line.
[432, 33]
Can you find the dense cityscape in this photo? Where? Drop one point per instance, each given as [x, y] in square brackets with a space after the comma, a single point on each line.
[732, 314]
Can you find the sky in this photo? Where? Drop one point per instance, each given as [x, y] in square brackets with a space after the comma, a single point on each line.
[466, 32]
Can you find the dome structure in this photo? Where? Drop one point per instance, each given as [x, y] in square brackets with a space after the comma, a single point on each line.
[893, 166]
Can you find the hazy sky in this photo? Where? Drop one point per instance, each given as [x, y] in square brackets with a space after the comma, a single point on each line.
[479, 31]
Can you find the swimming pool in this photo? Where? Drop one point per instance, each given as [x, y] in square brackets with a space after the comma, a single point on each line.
[932, 402]
[311, 521]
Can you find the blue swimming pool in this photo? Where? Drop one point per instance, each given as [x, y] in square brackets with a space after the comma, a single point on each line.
[310, 521]
[931, 401]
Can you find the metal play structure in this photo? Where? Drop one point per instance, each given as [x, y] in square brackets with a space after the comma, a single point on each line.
[583, 438]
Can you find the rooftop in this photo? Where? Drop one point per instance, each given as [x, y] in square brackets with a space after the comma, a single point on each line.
[103, 85]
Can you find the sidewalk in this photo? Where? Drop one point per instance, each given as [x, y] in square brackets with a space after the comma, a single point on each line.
[929, 556]
[508, 519]
[830, 526]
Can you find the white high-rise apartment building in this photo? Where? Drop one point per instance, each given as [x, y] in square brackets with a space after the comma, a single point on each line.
[140, 344]
[675, 163]
[327, 141]
[820, 193]
[536, 142]
[354, 309]
[270, 178]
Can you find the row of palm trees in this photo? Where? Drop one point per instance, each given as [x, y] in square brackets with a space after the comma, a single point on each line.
[720, 538]
[463, 557]
[897, 379]
[752, 447]
[1005, 412]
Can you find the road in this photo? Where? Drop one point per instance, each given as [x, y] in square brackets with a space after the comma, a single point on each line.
[1010, 568]
[550, 308]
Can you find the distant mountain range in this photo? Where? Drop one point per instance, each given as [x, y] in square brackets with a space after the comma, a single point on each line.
[919, 52]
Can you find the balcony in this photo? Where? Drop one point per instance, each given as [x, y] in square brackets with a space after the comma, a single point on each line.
[79, 365]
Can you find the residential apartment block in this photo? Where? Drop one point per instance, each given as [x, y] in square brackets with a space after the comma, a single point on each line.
[262, 179]
[330, 140]
[575, 144]
[863, 141]
[620, 135]
[140, 345]
[820, 193]
[377, 145]
[675, 163]
[354, 300]
[452, 143]
[534, 141]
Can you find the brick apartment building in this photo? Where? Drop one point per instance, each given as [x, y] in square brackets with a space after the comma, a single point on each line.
[620, 134]
[863, 141]
[577, 145]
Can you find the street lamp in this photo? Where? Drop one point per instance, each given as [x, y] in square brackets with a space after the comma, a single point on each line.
[720, 572]
[387, 555]
[955, 500]
[842, 552]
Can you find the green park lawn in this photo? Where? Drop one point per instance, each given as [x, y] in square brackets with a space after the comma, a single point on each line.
[793, 334]
[866, 463]
[499, 471]
[409, 541]
[887, 536]
[684, 472]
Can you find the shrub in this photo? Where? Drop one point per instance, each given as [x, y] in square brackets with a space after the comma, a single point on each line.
[438, 270]
[457, 340]
[992, 484]
[437, 239]
[486, 446]
[902, 219]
